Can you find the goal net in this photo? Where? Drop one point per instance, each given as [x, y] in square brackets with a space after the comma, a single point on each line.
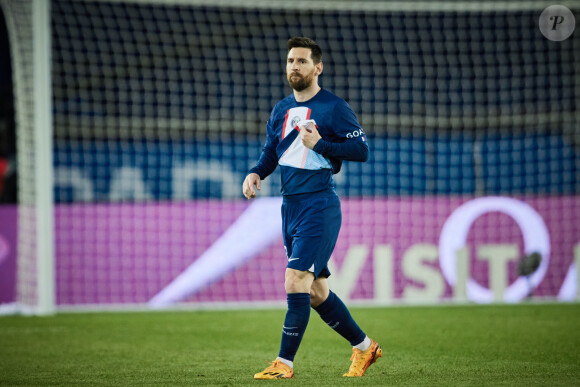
[471, 192]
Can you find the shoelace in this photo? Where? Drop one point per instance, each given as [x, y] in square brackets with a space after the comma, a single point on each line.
[274, 364]
[357, 359]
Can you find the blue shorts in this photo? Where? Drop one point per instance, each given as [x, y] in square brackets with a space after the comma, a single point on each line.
[310, 226]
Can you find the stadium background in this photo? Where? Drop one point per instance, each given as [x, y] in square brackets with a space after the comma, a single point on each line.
[160, 109]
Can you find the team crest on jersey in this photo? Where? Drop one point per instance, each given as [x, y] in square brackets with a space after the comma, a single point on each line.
[294, 121]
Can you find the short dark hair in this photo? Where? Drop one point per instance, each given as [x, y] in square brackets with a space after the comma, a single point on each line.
[303, 41]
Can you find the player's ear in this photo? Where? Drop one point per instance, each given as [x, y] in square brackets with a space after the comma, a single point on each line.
[319, 68]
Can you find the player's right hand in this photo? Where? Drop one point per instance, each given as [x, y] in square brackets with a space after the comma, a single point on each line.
[253, 179]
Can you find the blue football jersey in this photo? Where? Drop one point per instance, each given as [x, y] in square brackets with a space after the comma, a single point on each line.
[305, 170]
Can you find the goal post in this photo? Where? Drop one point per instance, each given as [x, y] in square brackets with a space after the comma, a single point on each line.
[29, 31]
[43, 154]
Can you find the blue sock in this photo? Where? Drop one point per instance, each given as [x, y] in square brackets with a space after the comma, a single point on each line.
[295, 324]
[334, 313]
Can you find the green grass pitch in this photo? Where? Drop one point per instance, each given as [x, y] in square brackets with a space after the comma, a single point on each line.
[529, 344]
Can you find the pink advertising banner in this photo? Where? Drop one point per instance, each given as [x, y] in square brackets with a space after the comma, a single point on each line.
[389, 250]
[8, 239]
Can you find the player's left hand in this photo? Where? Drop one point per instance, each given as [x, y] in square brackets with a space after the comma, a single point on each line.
[309, 135]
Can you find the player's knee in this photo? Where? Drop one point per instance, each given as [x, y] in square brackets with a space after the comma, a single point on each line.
[318, 294]
[297, 282]
[316, 298]
[292, 285]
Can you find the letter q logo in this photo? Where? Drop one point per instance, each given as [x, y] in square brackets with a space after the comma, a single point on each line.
[454, 236]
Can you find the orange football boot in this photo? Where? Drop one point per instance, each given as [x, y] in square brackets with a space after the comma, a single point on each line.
[277, 370]
[361, 360]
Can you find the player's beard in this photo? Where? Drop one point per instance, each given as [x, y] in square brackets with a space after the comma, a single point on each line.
[302, 83]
